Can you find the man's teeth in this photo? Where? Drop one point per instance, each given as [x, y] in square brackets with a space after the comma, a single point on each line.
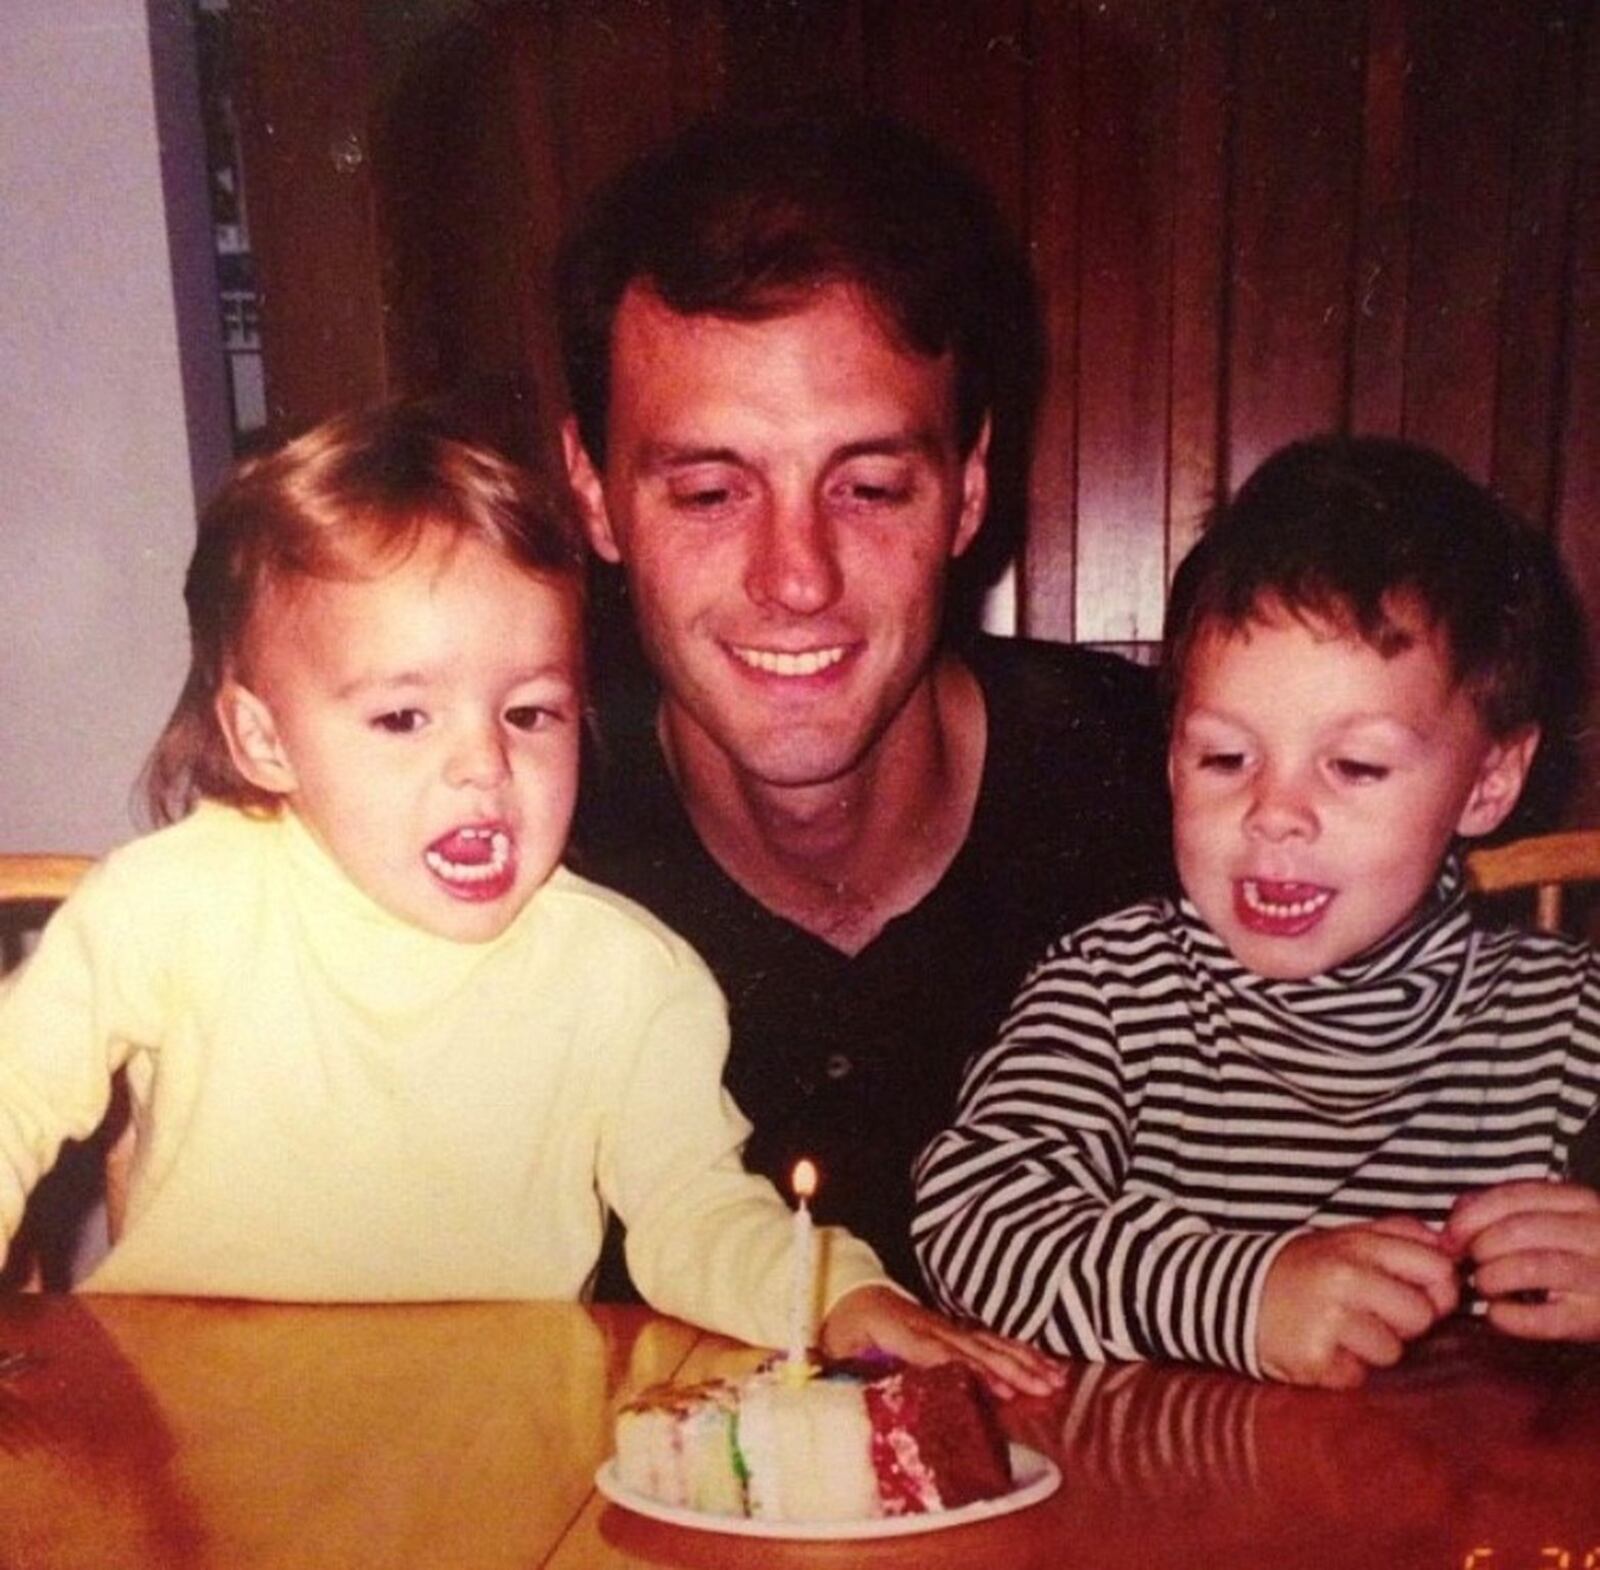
[473, 871]
[778, 663]
[1284, 909]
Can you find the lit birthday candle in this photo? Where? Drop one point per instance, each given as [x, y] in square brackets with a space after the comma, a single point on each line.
[802, 1286]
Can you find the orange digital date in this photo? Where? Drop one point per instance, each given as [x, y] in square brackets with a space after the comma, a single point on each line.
[1553, 1556]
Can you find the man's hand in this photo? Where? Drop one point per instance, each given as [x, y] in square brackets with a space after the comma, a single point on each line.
[878, 1319]
[1539, 1239]
[1341, 1301]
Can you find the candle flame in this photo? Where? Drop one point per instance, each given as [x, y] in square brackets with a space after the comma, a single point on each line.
[803, 1180]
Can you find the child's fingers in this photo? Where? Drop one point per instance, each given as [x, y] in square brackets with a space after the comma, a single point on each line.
[1561, 1317]
[1475, 1213]
[1409, 1227]
[1028, 1361]
[1007, 1367]
[1567, 1232]
[1340, 1301]
[1422, 1266]
[1373, 1341]
[1341, 1370]
[1359, 1342]
[1416, 1231]
[876, 1317]
[1546, 1269]
[1404, 1296]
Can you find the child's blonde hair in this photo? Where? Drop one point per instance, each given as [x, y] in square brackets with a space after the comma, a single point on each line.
[352, 496]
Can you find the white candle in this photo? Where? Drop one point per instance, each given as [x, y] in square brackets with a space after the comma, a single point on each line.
[802, 1287]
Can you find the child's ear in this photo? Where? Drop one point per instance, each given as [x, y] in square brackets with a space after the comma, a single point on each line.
[1501, 776]
[590, 494]
[253, 742]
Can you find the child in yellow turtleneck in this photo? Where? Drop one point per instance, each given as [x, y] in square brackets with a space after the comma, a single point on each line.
[380, 1043]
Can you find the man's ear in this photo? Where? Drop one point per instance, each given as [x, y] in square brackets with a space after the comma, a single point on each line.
[1501, 776]
[584, 479]
[253, 741]
[974, 490]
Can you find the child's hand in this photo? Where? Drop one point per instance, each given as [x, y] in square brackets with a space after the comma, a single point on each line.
[1537, 1238]
[1340, 1301]
[877, 1318]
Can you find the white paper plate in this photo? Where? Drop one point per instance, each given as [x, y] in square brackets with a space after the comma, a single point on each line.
[1036, 1477]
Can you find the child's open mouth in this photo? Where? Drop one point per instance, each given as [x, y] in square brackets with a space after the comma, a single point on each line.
[1281, 910]
[473, 863]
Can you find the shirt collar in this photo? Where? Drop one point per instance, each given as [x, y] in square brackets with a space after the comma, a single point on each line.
[1394, 994]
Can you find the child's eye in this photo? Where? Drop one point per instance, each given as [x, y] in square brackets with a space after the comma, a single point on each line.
[1356, 772]
[400, 722]
[531, 716]
[1221, 762]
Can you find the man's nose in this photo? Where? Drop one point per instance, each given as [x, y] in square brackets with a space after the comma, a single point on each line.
[1281, 806]
[478, 757]
[794, 560]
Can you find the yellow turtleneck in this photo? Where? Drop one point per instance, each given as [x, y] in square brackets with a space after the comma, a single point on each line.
[335, 1105]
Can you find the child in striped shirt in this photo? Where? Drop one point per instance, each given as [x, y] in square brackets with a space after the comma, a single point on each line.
[1277, 1123]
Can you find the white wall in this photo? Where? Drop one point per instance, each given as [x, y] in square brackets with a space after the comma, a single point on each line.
[107, 318]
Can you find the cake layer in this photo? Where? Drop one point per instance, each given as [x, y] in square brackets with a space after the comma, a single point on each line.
[676, 1444]
[840, 1447]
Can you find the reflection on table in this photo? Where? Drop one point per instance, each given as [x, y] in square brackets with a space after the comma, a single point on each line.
[150, 1432]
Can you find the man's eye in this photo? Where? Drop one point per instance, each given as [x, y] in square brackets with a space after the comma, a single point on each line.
[874, 493]
[1355, 771]
[1221, 762]
[705, 495]
[399, 722]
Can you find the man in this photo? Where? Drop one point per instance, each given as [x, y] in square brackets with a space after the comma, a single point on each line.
[785, 344]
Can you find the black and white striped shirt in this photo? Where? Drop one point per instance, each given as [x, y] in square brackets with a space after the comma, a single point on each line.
[1156, 1121]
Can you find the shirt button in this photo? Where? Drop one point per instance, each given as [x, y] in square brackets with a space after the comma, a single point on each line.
[838, 1066]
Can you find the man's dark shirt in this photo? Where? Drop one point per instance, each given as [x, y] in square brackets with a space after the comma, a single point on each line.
[855, 1061]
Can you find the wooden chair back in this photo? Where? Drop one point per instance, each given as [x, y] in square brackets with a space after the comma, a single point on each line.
[49, 878]
[31, 886]
[1548, 864]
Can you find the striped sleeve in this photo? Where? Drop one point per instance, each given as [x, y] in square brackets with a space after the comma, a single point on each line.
[1579, 1111]
[1025, 1219]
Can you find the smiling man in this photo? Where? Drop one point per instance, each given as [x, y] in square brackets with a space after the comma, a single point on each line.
[786, 343]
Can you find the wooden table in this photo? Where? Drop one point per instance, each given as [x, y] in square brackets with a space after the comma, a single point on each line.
[148, 1432]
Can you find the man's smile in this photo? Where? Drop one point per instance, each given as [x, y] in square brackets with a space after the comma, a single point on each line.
[784, 662]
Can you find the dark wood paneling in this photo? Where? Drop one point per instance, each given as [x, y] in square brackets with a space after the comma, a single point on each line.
[1381, 269]
[1249, 221]
[617, 54]
[1046, 575]
[1296, 167]
[528, 63]
[700, 70]
[961, 73]
[1199, 243]
[304, 93]
[1466, 61]
[1124, 304]
[1577, 507]
[1527, 412]
[776, 52]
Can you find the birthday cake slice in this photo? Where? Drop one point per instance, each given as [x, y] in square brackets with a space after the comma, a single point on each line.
[846, 1445]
